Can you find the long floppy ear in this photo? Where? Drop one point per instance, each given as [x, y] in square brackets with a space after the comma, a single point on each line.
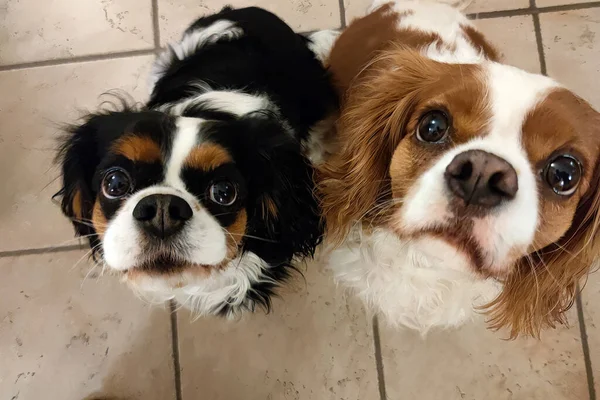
[78, 158]
[79, 154]
[544, 285]
[373, 120]
[289, 209]
[284, 219]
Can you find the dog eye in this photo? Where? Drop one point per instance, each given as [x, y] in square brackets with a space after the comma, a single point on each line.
[223, 193]
[563, 174]
[116, 183]
[433, 126]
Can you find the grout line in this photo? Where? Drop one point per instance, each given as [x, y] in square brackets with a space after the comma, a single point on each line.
[175, 347]
[534, 10]
[585, 346]
[342, 14]
[500, 13]
[379, 359]
[41, 250]
[539, 41]
[72, 60]
[156, 24]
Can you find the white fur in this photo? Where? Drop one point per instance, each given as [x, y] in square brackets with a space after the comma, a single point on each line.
[206, 295]
[202, 240]
[230, 101]
[425, 283]
[322, 43]
[415, 284]
[190, 43]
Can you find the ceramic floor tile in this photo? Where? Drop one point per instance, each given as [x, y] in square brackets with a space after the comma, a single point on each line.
[591, 312]
[32, 30]
[514, 37]
[547, 3]
[302, 15]
[61, 339]
[316, 344]
[572, 47]
[39, 100]
[478, 6]
[474, 363]
[358, 8]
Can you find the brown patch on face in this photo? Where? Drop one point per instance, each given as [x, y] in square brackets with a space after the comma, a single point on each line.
[207, 157]
[466, 106]
[138, 148]
[551, 130]
[236, 231]
[543, 285]
[381, 155]
[99, 220]
[479, 42]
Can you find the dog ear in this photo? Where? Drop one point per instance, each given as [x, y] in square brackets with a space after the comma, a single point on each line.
[288, 208]
[283, 214]
[80, 152]
[373, 121]
[544, 285]
[78, 158]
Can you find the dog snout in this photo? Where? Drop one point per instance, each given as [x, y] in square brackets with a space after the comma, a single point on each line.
[481, 178]
[162, 215]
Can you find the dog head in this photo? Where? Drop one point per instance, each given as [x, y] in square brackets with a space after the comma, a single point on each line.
[501, 165]
[207, 210]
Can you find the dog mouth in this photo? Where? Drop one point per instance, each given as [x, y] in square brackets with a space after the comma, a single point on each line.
[167, 264]
[457, 235]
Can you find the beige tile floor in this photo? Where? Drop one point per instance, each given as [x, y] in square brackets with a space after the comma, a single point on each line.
[66, 333]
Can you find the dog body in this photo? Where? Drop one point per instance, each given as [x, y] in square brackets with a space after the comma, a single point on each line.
[462, 182]
[206, 194]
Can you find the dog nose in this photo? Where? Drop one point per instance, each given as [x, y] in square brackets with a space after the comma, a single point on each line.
[481, 178]
[162, 215]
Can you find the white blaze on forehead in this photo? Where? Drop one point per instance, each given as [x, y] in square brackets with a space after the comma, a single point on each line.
[186, 138]
[513, 95]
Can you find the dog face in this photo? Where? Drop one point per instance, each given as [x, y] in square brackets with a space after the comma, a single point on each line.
[484, 161]
[174, 203]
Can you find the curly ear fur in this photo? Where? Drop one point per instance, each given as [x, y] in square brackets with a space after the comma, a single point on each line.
[78, 157]
[80, 151]
[279, 177]
[544, 284]
[372, 124]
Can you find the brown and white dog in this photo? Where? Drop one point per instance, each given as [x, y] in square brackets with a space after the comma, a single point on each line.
[462, 182]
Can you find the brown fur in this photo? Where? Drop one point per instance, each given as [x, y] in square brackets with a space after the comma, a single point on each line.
[382, 108]
[138, 148]
[236, 232]
[385, 87]
[479, 42]
[207, 157]
[99, 220]
[543, 285]
[77, 205]
[365, 38]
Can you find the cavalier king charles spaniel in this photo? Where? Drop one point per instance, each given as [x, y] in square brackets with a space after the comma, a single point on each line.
[462, 184]
[205, 194]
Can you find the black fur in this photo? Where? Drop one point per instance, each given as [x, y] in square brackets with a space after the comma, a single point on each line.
[269, 59]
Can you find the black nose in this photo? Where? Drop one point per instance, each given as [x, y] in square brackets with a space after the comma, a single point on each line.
[481, 178]
[162, 215]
